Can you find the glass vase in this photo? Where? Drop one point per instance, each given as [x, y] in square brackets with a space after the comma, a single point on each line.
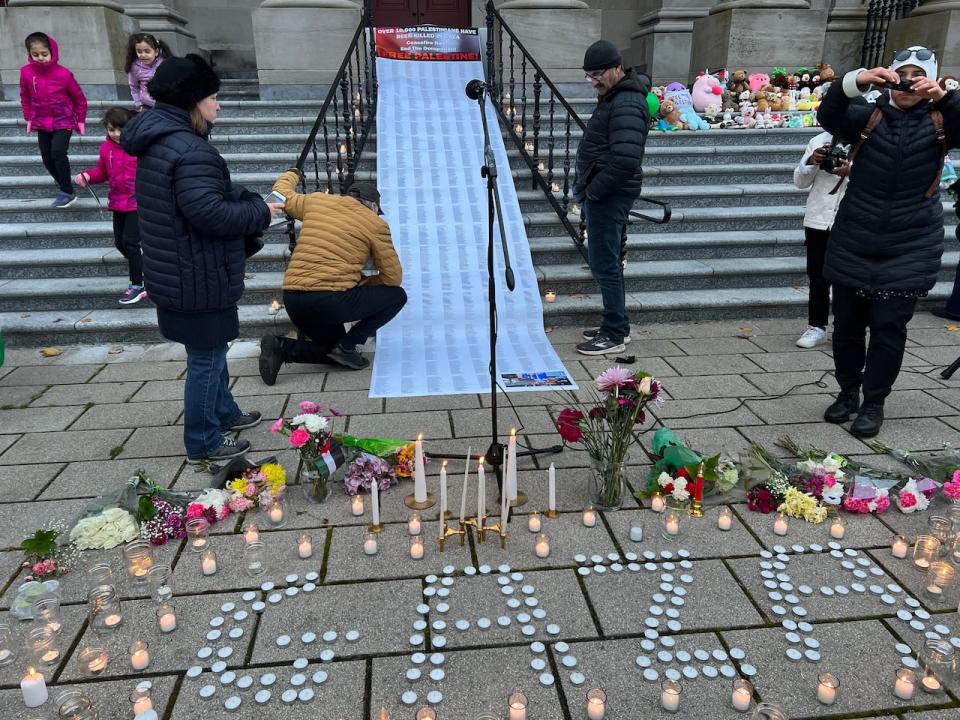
[607, 482]
[316, 487]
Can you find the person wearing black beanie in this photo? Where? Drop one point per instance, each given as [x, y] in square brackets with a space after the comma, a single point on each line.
[194, 228]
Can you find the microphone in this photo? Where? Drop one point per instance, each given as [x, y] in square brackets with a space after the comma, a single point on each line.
[475, 89]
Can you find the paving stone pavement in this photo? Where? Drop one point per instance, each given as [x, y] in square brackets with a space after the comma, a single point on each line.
[477, 622]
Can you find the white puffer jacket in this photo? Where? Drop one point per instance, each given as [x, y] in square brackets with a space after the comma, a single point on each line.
[821, 205]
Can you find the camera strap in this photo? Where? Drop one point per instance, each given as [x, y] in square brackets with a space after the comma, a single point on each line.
[875, 117]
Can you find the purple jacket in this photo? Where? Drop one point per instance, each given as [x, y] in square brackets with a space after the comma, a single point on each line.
[50, 96]
[138, 77]
[120, 170]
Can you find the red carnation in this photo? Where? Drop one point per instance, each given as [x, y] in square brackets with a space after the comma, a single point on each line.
[568, 423]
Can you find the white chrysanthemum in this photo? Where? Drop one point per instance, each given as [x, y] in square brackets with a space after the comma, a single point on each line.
[313, 423]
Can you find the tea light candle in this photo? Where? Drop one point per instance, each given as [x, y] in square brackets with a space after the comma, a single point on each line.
[589, 516]
[198, 542]
[111, 621]
[50, 657]
[742, 695]
[670, 695]
[139, 655]
[827, 687]
[906, 684]
[596, 704]
[725, 519]
[533, 522]
[899, 546]
[356, 505]
[208, 562]
[837, 528]
[517, 704]
[251, 534]
[780, 524]
[941, 575]
[672, 525]
[416, 547]
[930, 684]
[550, 296]
[370, 544]
[276, 513]
[925, 550]
[413, 524]
[34, 689]
[656, 503]
[166, 618]
[636, 531]
[541, 546]
[304, 546]
[93, 660]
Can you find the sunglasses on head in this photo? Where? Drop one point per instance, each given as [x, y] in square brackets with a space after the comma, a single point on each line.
[922, 54]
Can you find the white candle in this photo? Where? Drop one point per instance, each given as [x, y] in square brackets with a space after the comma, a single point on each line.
[416, 548]
[542, 547]
[413, 524]
[481, 499]
[208, 563]
[533, 522]
[899, 547]
[370, 545]
[906, 684]
[930, 683]
[304, 547]
[463, 495]
[112, 621]
[504, 509]
[511, 478]
[837, 530]
[518, 712]
[589, 516]
[443, 491]
[672, 526]
[141, 705]
[780, 525]
[276, 513]
[97, 664]
[34, 689]
[656, 503]
[725, 519]
[741, 699]
[251, 534]
[50, 657]
[419, 474]
[670, 699]
[375, 502]
[922, 562]
[168, 622]
[636, 533]
[199, 543]
[595, 709]
[827, 689]
[552, 489]
[934, 589]
[150, 714]
[139, 656]
[356, 505]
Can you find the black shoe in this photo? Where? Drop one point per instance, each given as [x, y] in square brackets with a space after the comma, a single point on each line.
[271, 358]
[600, 345]
[591, 333]
[348, 356]
[842, 408]
[227, 450]
[868, 422]
[942, 313]
[246, 420]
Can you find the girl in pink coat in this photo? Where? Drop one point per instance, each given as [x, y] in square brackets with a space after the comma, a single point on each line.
[53, 106]
[144, 55]
[118, 169]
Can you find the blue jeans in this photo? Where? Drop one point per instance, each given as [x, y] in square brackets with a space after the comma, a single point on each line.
[208, 405]
[605, 220]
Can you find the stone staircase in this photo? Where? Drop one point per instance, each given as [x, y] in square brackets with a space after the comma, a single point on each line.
[732, 249]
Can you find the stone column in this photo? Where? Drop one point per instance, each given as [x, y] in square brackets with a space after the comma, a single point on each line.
[846, 25]
[556, 33]
[92, 36]
[300, 45]
[164, 23]
[758, 34]
[935, 25]
[661, 47]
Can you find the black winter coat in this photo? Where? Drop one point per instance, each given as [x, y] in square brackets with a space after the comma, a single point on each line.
[887, 235]
[611, 151]
[193, 220]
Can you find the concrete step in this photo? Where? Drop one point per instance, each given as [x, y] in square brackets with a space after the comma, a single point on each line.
[96, 108]
[249, 124]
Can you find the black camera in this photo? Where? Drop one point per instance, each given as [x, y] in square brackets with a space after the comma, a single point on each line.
[903, 85]
[835, 156]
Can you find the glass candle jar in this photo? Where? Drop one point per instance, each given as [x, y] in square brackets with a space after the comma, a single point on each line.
[276, 513]
[827, 688]
[941, 528]
[139, 655]
[8, 647]
[899, 546]
[166, 618]
[742, 696]
[670, 523]
[251, 533]
[197, 534]
[141, 698]
[158, 580]
[74, 705]
[596, 704]
[940, 577]
[768, 711]
[534, 522]
[100, 574]
[670, 695]
[905, 684]
[939, 661]
[426, 713]
[541, 545]
[926, 549]
[304, 546]
[370, 544]
[414, 524]
[636, 530]
[838, 528]
[42, 642]
[416, 547]
[725, 519]
[253, 561]
[781, 524]
[589, 517]
[208, 562]
[92, 660]
[138, 556]
[517, 706]
[106, 614]
[46, 611]
[657, 503]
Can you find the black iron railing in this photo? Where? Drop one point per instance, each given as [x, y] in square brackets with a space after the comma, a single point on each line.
[880, 14]
[331, 155]
[543, 126]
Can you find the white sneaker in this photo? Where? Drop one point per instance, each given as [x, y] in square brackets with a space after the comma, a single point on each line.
[812, 337]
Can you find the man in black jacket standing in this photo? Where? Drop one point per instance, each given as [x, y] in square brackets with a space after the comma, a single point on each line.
[608, 181]
[887, 240]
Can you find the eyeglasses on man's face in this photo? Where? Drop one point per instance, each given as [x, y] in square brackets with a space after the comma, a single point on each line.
[596, 75]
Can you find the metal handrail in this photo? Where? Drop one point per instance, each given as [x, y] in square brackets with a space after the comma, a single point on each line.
[880, 13]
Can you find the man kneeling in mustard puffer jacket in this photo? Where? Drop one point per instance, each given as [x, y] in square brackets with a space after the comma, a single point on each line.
[324, 286]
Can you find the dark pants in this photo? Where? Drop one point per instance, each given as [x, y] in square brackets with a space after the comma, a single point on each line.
[53, 152]
[818, 302]
[605, 220]
[875, 367]
[208, 405]
[126, 238]
[953, 302]
[320, 316]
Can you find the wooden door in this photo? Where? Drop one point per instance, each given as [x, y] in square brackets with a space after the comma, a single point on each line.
[402, 13]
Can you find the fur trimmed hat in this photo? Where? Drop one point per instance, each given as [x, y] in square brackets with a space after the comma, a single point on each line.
[183, 81]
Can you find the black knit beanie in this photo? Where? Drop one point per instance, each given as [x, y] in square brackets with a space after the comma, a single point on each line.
[183, 81]
[601, 55]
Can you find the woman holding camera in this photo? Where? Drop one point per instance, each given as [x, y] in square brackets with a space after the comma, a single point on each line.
[886, 244]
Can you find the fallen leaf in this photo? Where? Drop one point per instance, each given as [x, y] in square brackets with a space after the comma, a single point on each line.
[51, 351]
[25, 315]
[115, 350]
[86, 320]
[746, 329]
[951, 328]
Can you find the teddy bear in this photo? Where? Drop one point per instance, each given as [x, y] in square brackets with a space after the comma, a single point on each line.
[762, 103]
[729, 100]
[712, 114]
[738, 82]
[827, 74]
[669, 117]
[748, 117]
[757, 81]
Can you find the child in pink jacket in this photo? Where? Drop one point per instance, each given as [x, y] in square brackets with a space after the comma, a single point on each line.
[144, 55]
[118, 169]
[54, 106]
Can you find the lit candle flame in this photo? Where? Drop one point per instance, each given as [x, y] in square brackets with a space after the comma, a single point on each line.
[275, 305]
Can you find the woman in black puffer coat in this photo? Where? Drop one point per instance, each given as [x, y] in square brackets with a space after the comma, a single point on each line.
[887, 240]
[951, 311]
[193, 225]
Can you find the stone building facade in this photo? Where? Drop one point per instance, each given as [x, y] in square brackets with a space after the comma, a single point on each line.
[294, 47]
